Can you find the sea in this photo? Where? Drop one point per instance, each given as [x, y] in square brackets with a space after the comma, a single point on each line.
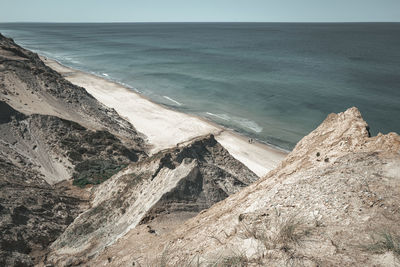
[274, 82]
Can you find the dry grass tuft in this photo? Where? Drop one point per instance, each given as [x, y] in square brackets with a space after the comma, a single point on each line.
[385, 241]
[283, 233]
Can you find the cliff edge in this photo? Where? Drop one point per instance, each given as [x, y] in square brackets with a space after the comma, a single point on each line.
[334, 201]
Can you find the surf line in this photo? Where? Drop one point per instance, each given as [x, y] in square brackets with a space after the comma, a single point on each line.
[172, 100]
[224, 117]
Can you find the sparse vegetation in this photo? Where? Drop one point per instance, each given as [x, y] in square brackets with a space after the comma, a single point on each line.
[385, 241]
[292, 231]
[275, 235]
[81, 182]
[235, 260]
[95, 172]
[283, 233]
[97, 155]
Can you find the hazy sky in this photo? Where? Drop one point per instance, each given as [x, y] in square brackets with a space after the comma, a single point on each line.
[198, 10]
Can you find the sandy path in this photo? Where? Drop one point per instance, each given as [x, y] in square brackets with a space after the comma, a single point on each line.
[166, 128]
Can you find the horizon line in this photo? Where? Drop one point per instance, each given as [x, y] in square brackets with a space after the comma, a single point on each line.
[115, 22]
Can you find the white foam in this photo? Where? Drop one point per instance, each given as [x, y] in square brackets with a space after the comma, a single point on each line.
[220, 116]
[105, 74]
[70, 59]
[249, 124]
[172, 100]
[128, 86]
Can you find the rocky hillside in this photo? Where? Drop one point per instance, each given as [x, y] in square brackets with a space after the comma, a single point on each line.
[334, 201]
[31, 87]
[61, 149]
[32, 212]
[178, 182]
[50, 131]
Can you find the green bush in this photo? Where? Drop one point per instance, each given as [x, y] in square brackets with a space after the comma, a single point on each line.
[95, 172]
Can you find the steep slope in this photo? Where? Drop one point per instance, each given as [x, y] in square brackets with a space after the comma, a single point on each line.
[178, 182]
[31, 87]
[32, 214]
[50, 131]
[64, 127]
[61, 149]
[334, 201]
[36, 153]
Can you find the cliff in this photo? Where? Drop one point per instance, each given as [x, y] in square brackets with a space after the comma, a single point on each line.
[52, 133]
[56, 139]
[78, 188]
[332, 202]
[177, 183]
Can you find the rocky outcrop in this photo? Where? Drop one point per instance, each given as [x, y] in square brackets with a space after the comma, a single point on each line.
[332, 202]
[184, 179]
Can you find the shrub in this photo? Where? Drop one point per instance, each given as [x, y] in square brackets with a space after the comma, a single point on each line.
[95, 171]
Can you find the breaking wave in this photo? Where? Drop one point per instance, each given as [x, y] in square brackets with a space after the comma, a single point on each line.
[243, 122]
[172, 100]
[220, 116]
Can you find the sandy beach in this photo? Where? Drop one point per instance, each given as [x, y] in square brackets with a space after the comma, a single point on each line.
[164, 127]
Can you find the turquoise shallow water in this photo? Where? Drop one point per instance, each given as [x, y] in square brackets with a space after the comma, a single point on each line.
[271, 81]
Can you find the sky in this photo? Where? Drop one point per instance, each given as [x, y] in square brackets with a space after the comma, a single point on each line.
[199, 10]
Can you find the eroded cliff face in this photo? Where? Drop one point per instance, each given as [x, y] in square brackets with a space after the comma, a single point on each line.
[178, 182]
[334, 201]
[60, 149]
[33, 213]
[50, 132]
[31, 87]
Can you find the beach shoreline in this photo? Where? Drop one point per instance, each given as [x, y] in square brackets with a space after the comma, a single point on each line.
[164, 127]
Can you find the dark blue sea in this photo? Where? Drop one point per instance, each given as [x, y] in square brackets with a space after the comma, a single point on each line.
[272, 81]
